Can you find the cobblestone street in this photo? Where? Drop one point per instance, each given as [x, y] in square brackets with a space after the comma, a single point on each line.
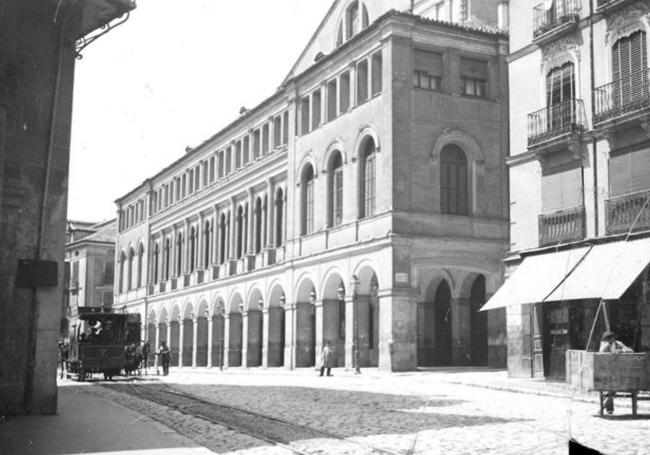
[418, 413]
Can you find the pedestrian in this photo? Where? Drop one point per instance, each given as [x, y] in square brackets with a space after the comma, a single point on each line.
[64, 353]
[164, 353]
[610, 345]
[326, 359]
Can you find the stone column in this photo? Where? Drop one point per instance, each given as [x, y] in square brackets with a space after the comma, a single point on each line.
[169, 333]
[460, 332]
[208, 316]
[289, 338]
[244, 339]
[265, 337]
[181, 333]
[226, 339]
[350, 317]
[397, 329]
[195, 335]
[155, 346]
[320, 323]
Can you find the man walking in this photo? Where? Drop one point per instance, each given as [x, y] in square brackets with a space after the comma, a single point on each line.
[327, 359]
[164, 353]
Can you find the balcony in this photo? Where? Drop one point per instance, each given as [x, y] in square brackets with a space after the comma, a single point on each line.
[623, 101]
[610, 6]
[554, 124]
[630, 211]
[562, 226]
[553, 19]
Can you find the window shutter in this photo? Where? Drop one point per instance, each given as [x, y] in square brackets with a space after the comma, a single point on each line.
[628, 173]
[562, 190]
[473, 69]
[429, 62]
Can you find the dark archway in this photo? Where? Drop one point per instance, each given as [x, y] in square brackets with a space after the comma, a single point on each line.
[442, 316]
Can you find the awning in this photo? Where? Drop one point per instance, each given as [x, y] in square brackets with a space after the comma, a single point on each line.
[606, 272]
[536, 278]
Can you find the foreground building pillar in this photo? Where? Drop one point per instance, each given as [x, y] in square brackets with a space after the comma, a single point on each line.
[195, 333]
[397, 329]
[226, 339]
[289, 331]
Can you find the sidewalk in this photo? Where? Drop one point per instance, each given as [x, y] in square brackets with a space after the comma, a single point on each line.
[86, 424]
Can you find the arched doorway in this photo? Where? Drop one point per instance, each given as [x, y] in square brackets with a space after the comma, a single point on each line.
[331, 318]
[305, 324]
[235, 332]
[254, 329]
[218, 334]
[366, 315]
[478, 323]
[202, 335]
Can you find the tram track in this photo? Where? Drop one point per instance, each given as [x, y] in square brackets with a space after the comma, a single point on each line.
[275, 431]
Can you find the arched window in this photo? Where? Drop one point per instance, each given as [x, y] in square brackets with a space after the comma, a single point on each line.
[167, 255]
[258, 225]
[156, 254]
[207, 235]
[279, 215]
[352, 22]
[629, 63]
[192, 250]
[129, 281]
[307, 200]
[179, 254]
[335, 190]
[367, 184]
[140, 264]
[453, 181]
[222, 238]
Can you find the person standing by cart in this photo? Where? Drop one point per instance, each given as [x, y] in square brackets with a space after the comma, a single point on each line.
[164, 353]
[610, 345]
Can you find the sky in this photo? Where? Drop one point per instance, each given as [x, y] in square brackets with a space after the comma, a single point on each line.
[173, 75]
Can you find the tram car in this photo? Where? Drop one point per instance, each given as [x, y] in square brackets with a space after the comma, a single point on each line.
[103, 342]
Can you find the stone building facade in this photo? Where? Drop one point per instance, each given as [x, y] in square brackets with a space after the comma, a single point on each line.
[90, 265]
[579, 169]
[363, 204]
[37, 60]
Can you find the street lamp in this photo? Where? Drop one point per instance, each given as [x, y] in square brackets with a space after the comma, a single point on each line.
[354, 285]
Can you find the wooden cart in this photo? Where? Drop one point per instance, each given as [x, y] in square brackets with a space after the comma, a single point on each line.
[626, 374]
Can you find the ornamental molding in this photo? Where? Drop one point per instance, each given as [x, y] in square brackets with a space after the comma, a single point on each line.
[629, 20]
[559, 52]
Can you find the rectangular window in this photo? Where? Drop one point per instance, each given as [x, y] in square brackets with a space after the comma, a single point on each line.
[376, 73]
[212, 172]
[191, 181]
[304, 115]
[265, 138]
[474, 77]
[238, 155]
[309, 207]
[285, 128]
[160, 199]
[369, 186]
[178, 188]
[362, 81]
[107, 299]
[74, 277]
[109, 273]
[222, 164]
[257, 145]
[562, 190]
[228, 160]
[184, 185]
[315, 109]
[204, 173]
[277, 131]
[337, 199]
[427, 70]
[197, 181]
[332, 93]
[628, 173]
[344, 97]
[247, 146]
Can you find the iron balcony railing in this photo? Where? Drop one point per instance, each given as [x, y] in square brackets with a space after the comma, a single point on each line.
[551, 14]
[556, 120]
[624, 95]
[622, 212]
[564, 225]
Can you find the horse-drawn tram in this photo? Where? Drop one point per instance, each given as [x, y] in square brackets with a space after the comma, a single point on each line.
[104, 342]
